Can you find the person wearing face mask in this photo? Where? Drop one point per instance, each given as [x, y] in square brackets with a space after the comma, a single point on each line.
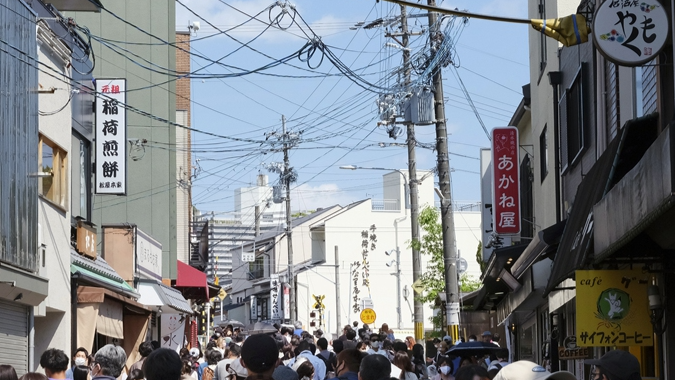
[375, 345]
[79, 358]
[445, 369]
[217, 333]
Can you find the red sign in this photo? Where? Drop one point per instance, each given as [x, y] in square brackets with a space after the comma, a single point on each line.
[505, 180]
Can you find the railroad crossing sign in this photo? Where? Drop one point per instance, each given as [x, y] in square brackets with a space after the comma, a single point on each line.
[319, 302]
[368, 316]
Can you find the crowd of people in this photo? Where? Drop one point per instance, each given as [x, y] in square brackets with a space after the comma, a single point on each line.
[293, 354]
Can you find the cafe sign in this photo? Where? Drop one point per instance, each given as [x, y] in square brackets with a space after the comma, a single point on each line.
[613, 308]
[630, 32]
[570, 350]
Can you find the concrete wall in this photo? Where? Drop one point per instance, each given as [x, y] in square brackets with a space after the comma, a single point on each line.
[150, 202]
[52, 316]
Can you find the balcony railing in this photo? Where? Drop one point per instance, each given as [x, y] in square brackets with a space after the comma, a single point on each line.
[386, 205]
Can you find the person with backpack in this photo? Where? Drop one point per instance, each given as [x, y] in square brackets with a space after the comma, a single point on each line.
[502, 360]
[329, 358]
[212, 359]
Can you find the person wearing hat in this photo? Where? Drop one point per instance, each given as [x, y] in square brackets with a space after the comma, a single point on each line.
[526, 370]
[217, 333]
[487, 337]
[259, 355]
[615, 365]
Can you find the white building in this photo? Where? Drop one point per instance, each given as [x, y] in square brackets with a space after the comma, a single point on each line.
[329, 245]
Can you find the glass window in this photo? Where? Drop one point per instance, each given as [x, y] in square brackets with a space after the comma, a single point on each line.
[542, 37]
[543, 153]
[527, 342]
[53, 160]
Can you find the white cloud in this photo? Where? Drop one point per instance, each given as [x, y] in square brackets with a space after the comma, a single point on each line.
[307, 197]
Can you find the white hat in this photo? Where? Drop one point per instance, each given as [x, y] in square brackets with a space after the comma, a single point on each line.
[194, 352]
[526, 370]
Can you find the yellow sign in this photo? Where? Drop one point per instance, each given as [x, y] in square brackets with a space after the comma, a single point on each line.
[222, 294]
[319, 302]
[368, 316]
[613, 308]
[417, 286]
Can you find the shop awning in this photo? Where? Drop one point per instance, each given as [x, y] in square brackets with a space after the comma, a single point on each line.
[154, 293]
[543, 243]
[98, 272]
[495, 286]
[191, 282]
[577, 237]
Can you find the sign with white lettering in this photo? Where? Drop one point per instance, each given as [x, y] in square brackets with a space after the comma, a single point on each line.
[111, 137]
[630, 32]
[505, 180]
[86, 240]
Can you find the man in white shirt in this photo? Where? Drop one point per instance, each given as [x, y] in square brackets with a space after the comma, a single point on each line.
[319, 365]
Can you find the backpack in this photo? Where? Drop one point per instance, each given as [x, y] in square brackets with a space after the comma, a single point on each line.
[329, 362]
[208, 374]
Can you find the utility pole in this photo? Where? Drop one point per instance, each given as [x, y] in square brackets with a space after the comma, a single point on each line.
[447, 220]
[338, 315]
[287, 182]
[257, 220]
[412, 187]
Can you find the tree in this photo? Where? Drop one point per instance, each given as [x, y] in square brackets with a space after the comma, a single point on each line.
[479, 257]
[433, 279]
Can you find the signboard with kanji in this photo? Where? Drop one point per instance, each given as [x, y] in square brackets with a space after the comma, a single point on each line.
[630, 32]
[368, 316]
[613, 308]
[275, 301]
[505, 180]
[111, 137]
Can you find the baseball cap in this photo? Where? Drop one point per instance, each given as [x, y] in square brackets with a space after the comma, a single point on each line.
[526, 370]
[487, 333]
[622, 365]
[194, 352]
[259, 353]
[447, 338]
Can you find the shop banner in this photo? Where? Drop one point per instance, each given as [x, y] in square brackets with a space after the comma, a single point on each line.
[275, 309]
[111, 137]
[287, 301]
[173, 331]
[613, 308]
[506, 180]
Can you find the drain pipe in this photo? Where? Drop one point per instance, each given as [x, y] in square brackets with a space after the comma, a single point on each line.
[555, 79]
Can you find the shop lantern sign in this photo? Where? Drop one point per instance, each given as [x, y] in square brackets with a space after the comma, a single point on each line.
[630, 32]
[613, 308]
[505, 181]
[111, 137]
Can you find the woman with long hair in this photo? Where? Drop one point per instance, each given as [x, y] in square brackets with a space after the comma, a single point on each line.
[81, 372]
[304, 368]
[418, 361]
[402, 361]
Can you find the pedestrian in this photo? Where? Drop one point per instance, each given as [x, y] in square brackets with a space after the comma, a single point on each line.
[338, 346]
[402, 361]
[217, 333]
[33, 376]
[81, 372]
[233, 352]
[376, 345]
[55, 363]
[144, 349]
[304, 368]
[418, 361]
[212, 360]
[502, 360]
[374, 367]
[410, 342]
[350, 342]
[472, 372]
[186, 371]
[446, 368]
[387, 332]
[80, 357]
[259, 356]
[136, 374]
[615, 365]
[7, 372]
[472, 338]
[284, 373]
[329, 358]
[526, 370]
[348, 363]
[486, 337]
[108, 362]
[304, 350]
[298, 328]
[163, 364]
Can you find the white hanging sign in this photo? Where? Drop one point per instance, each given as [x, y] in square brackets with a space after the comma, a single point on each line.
[111, 136]
[630, 32]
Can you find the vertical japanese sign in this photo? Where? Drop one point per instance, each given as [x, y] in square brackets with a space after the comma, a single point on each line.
[505, 180]
[173, 331]
[287, 301]
[111, 135]
[275, 304]
[254, 309]
[630, 32]
[613, 308]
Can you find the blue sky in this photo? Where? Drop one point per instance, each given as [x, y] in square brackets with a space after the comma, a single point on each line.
[338, 119]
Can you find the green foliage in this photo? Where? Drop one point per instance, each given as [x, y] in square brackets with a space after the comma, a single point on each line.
[431, 244]
[479, 257]
[468, 283]
[301, 214]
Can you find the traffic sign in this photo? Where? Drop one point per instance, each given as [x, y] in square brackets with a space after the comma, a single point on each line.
[222, 294]
[462, 265]
[319, 302]
[368, 316]
[417, 286]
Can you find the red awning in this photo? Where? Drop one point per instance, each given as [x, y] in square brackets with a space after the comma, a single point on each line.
[192, 281]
